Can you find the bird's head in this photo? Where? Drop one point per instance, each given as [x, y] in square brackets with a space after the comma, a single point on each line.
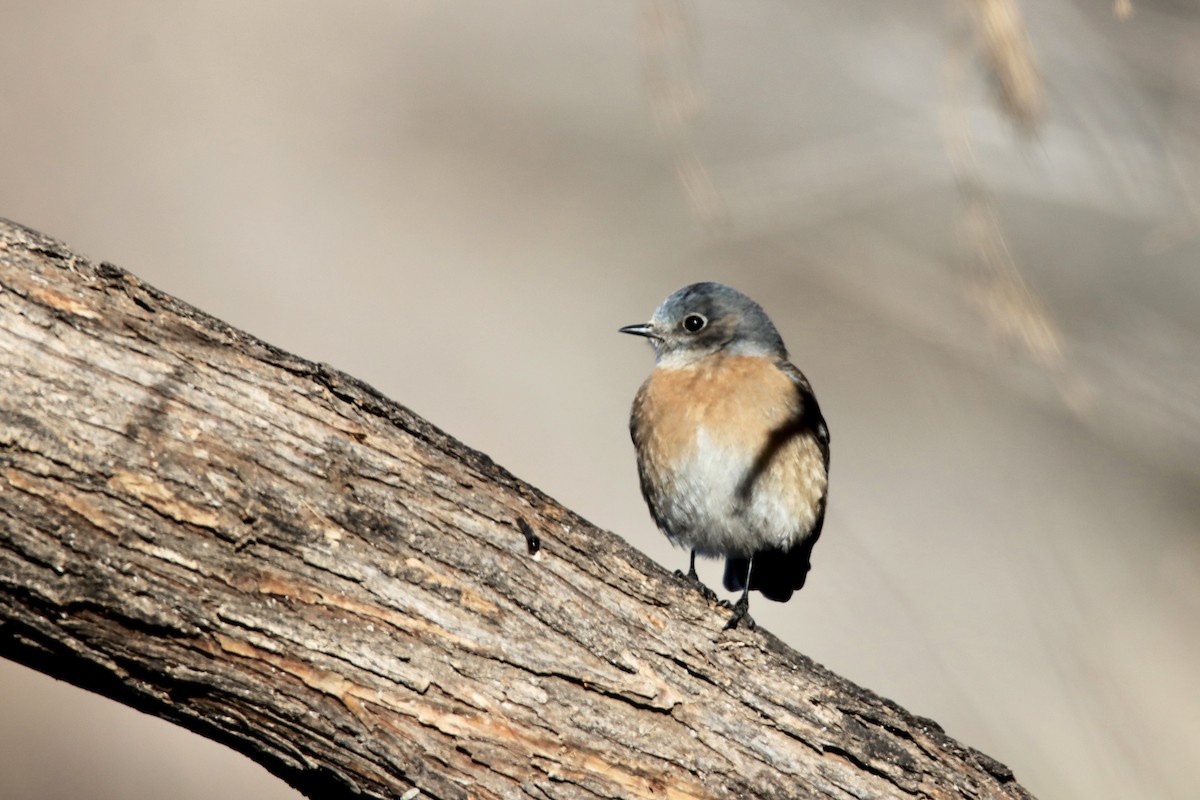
[703, 319]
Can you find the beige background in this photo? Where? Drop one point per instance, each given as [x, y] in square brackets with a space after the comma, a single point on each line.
[461, 202]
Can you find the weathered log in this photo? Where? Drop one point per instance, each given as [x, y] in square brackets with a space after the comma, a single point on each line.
[272, 554]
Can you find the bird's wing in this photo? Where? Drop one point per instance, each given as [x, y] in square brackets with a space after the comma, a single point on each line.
[810, 411]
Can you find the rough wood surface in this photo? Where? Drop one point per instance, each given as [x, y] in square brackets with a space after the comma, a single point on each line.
[269, 553]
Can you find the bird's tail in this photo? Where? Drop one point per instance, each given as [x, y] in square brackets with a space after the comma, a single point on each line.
[777, 573]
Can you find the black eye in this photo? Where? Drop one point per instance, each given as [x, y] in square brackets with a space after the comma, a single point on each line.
[693, 323]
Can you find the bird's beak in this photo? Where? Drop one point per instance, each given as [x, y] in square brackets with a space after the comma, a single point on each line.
[644, 329]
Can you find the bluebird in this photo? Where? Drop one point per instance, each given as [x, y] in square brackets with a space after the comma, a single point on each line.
[732, 450]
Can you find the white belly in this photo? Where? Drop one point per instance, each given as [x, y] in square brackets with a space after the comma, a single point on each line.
[719, 514]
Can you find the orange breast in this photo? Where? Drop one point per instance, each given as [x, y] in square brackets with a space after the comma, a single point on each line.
[737, 400]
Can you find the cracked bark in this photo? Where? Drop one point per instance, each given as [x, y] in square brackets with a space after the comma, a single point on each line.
[272, 554]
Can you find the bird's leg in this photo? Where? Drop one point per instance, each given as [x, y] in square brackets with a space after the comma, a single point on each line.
[694, 579]
[742, 606]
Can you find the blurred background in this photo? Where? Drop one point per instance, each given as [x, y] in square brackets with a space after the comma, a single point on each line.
[976, 224]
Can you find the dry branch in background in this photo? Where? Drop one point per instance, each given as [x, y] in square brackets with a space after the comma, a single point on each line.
[271, 554]
[1008, 58]
[994, 31]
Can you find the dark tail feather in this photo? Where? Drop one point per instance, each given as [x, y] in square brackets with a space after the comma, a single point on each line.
[777, 573]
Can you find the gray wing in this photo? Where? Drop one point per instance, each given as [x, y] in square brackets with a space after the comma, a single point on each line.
[810, 413]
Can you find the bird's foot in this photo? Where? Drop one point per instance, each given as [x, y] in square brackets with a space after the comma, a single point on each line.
[740, 615]
[691, 577]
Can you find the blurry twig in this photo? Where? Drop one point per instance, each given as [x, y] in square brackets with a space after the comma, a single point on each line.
[670, 36]
[1008, 55]
[993, 28]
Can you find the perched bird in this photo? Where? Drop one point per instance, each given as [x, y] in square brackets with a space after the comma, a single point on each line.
[732, 450]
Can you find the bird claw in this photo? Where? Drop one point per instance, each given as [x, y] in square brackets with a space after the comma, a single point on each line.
[691, 577]
[740, 615]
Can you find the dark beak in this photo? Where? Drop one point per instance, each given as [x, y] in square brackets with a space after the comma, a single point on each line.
[645, 329]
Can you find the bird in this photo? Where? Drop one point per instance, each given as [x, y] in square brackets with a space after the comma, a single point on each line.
[732, 449]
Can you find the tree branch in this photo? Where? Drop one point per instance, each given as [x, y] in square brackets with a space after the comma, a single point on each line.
[272, 554]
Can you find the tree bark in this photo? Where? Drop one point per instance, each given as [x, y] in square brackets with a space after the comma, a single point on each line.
[272, 554]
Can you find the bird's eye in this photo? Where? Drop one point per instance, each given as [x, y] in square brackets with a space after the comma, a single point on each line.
[694, 323]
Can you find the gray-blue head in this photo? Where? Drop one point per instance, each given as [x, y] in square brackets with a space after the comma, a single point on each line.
[707, 318]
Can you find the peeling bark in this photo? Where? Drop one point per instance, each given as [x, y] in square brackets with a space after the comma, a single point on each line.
[272, 554]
